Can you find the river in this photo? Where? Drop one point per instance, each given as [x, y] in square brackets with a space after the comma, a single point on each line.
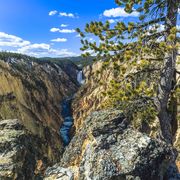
[66, 113]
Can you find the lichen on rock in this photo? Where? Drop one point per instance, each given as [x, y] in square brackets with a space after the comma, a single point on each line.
[20, 152]
[107, 148]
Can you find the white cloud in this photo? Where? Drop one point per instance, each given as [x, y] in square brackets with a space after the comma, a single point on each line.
[111, 21]
[100, 41]
[91, 39]
[158, 27]
[71, 15]
[12, 41]
[16, 44]
[59, 40]
[64, 25]
[54, 29]
[161, 27]
[67, 31]
[119, 12]
[63, 14]
[34, 49]
[52, 13]
[90, 52]
[62, 52]
[62, 30]
[42, 50]
[78, 36]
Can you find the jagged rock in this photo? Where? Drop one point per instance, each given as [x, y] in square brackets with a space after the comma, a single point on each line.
[20, 152]
[58, 173]
[106, 148]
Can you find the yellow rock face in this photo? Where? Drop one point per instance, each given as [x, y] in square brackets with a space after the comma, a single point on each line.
[90, 97]
[32, 94]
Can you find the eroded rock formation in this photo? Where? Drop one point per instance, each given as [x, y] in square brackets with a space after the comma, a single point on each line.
[106, 148]
[23, 155]
[90, 98]
[105, 145]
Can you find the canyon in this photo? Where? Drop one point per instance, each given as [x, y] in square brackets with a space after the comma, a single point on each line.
[31, 92]
[54, 127]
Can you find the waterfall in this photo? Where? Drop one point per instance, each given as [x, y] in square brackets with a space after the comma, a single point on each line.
[80, 78]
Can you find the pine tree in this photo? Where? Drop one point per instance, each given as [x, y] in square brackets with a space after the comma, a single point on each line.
[168, 77]
[143, 55]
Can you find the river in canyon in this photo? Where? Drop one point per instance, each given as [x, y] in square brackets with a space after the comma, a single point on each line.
[66, 113]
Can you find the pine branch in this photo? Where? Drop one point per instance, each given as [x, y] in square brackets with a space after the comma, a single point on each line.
[178, 72]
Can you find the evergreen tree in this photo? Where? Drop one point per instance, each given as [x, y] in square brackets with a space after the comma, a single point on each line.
[144, 58]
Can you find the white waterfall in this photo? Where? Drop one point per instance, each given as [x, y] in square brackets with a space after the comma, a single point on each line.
[80, 77]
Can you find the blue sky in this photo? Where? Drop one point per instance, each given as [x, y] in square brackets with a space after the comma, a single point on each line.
[46, 27]
[39, 27]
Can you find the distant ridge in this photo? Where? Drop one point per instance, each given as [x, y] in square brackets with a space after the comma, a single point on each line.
[78, 60]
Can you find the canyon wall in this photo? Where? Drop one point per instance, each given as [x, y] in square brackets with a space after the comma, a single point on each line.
[90, 96]
[31, 92]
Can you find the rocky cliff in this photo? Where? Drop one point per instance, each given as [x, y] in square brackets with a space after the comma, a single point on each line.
[106, 148]
[23, 155]
[31, 91]
[90, 98]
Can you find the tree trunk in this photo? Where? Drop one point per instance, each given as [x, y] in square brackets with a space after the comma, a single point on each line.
[167, 75]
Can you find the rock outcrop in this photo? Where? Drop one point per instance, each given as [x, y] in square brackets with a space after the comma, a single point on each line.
[90, 98]
[105, 145]
[60, 173]
[106, 148]
[21, 152]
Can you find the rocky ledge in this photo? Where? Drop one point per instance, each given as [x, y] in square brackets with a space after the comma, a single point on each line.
[106, 148]
[23, 156]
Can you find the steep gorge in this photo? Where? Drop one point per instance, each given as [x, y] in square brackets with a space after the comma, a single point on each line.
[36, 120]
[31, 91]
[106, 145]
